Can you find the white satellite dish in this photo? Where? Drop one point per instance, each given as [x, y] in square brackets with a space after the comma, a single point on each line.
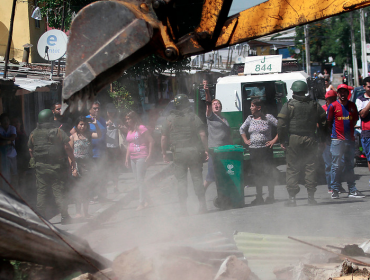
[239, 59]
[52, 45]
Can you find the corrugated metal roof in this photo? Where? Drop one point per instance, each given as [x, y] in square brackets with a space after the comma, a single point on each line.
[28, 85]
[265, 252]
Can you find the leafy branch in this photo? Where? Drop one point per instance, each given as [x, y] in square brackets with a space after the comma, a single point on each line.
[122, 98]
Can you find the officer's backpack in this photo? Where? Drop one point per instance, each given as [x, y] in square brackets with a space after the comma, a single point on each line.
[47, 147]
[183, 131]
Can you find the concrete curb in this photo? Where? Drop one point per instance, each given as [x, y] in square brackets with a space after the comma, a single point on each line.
[121, 200]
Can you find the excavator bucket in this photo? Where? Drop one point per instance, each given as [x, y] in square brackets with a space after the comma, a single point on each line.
[105, 39]
[108, 37]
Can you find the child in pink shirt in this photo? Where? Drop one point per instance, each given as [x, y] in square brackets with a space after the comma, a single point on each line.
[138, 154]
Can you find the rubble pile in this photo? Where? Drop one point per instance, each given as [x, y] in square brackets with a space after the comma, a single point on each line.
[345, 265]
[165, 265]
[352, 270]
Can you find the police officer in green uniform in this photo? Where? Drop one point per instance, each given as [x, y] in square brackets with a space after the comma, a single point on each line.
[186, 133]
[297, 124]
[49, 148]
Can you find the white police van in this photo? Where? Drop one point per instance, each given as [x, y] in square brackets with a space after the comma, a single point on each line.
[236, 93]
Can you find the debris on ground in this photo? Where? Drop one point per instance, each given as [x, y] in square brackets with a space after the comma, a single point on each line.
[133, 265]
[33, 271]
[101, 275]
[233, 268]
[352, 250]
[285, 273]
[180, 263]
[348, 268]
[86, 276]
[365, 246]
[330, 271]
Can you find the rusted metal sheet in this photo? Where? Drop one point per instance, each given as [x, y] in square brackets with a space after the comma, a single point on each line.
[266, 18]
[214, 14]
[189, 45]
[276, 15]
[24, 237]
[227, 31]
[210, 15]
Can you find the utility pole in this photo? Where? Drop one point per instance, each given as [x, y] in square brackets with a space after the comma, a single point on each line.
[62, 28]
[9, 39]
[228, 54]
[363, 44]
[307, 45]
[301, 41]
[354, 56]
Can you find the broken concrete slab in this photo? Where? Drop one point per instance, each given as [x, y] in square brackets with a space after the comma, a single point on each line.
[233, 268]
[133, 265]
[180, 268]
[86, 276]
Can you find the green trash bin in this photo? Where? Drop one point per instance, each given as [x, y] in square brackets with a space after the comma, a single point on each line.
[228, 165]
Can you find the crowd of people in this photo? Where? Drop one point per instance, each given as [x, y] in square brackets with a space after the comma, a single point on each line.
[84, 153]
[13, 150]
[76, 159]
[302, 125]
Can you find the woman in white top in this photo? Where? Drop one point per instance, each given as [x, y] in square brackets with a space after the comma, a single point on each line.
[259, 126]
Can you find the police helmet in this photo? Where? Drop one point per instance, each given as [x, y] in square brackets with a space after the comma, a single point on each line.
[181, 101]
[299, 86]
[45, 116]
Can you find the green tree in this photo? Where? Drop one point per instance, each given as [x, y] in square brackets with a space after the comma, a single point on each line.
[53, 11]
[122, 98]
[155, 65]
[319, 34]
[332, 38]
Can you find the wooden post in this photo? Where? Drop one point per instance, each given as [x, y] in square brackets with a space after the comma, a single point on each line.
[9, 38]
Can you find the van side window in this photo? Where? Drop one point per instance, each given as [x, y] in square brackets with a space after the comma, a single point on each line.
[255, 92]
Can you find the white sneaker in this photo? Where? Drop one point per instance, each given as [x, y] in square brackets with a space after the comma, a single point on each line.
[356, 194]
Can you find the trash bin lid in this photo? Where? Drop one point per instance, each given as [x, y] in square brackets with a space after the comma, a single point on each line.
[229, 148]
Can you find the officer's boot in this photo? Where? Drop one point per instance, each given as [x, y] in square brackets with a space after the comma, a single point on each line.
[202, 205]
[291, 202]
[271, 198]
[311, 198]
[259, 197]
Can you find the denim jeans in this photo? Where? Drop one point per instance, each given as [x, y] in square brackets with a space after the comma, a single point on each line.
[365, 142]
[343, 153]
[211, 170]
[139, 169]
[326, 155]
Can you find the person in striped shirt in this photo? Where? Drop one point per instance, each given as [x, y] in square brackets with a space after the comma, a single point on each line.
[342, 116]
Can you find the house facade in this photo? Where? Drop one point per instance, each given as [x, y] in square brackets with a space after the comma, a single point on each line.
[26, 30]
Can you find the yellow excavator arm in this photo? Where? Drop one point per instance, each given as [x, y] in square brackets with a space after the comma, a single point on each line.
[108, 37]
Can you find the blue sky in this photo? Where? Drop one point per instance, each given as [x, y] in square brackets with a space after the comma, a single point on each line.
[241, 5]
